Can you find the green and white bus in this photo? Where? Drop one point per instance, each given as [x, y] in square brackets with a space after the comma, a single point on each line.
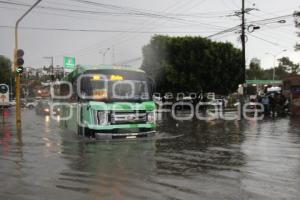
[106, 102]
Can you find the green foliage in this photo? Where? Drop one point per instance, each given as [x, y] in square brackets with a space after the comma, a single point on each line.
[255, 72]
[285, 67]
[5, 70]
[193, 64]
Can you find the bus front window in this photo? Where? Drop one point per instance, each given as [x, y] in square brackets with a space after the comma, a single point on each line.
[98, 90]
[113, 90]
[129, 89]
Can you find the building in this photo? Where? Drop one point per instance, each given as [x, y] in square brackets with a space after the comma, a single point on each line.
[291, 89]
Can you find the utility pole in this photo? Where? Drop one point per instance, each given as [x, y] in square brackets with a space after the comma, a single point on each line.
[17, 75]
[243, 39]
[242, 98]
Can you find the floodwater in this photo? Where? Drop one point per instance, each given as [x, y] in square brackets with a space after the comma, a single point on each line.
[211, 160]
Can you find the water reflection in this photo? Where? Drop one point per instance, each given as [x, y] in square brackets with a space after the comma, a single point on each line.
[111, 168]
[212, 160]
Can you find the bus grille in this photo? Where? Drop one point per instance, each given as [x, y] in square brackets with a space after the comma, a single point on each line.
[128, 117]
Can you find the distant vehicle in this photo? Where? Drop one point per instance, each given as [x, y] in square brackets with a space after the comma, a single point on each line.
[184, 101]
[169, 97]
[157, 98]
[12, 102]
[42, 107]
[190, 97]
[31, 105]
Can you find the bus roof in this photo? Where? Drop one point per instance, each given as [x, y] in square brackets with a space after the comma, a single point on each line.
[80, 69]
[112, 67]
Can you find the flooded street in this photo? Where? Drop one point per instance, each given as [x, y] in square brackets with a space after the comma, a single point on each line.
[208, 160]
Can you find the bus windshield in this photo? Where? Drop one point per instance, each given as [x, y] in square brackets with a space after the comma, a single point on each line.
[111, 87]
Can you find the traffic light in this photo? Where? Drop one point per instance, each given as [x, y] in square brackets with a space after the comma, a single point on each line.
[19, 61]
[20, 69]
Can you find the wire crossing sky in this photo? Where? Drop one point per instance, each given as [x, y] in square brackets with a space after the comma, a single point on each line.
[85, 28]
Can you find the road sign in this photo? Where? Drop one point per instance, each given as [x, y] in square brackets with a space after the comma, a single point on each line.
[69, 62]
[3, 89]
[3, 97]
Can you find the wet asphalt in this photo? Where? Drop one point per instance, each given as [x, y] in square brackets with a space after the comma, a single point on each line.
[192, 159]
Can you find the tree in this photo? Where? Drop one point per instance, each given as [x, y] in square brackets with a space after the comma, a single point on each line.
[287, 66]
[255, 71]
[179, 64]
[5, 70]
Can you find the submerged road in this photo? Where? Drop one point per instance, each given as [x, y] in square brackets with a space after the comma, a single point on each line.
[211, 160]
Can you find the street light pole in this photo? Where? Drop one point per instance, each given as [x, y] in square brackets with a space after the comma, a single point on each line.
[17, 75]
[103, 54]
[274, 62]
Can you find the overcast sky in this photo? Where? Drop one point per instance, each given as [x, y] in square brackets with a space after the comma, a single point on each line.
[122, 30]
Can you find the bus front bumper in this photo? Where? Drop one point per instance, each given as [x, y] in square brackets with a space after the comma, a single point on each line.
[110, 136]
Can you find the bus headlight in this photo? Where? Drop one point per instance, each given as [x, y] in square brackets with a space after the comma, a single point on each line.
[100, 117]
[151, 117]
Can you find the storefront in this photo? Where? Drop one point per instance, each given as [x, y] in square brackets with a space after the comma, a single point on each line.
[291, 89]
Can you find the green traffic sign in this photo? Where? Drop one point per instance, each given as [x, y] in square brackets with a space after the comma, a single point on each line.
[69, 62]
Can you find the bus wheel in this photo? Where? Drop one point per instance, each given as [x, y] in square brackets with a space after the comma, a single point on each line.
[80, 130]
[83, 131]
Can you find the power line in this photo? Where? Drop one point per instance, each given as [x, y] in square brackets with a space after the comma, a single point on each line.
[224, 31]
[265, 40]
[94, 30]
[136, 14]
[119, 40]
[104, 41]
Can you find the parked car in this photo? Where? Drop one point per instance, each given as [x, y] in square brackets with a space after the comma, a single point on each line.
[12, 102]
[31, 105]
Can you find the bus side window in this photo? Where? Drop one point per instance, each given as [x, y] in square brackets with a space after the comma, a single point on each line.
[64, 89]
[74, 96]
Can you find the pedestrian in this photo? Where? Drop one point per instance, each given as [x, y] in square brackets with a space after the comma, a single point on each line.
[266, 103]
[272, 104]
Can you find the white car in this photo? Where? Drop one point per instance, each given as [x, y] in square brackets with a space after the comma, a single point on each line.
[31, 105]
[12, 103]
